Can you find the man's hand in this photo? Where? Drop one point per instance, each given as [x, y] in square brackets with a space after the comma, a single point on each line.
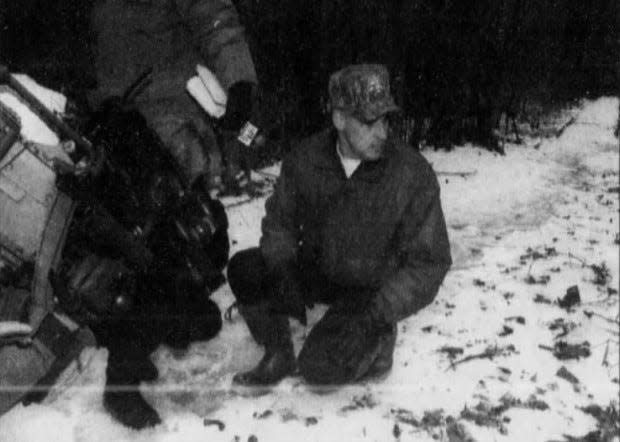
[241, 134]
[240, 106]
[343, 345]
[352, 343]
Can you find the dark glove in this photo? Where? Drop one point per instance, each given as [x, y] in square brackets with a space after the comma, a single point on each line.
[356, 332]
[342, 346]
[288, 298]
[245, 119]
[239, 105]
[240, 134]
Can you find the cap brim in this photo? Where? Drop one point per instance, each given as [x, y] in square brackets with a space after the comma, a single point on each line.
[376, 112]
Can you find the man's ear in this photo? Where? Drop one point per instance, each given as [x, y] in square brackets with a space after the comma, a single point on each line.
[338, 119]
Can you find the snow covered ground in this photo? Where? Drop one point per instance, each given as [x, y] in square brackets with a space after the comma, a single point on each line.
[495, 357]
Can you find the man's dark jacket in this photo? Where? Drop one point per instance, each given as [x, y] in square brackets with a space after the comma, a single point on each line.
[382, 229]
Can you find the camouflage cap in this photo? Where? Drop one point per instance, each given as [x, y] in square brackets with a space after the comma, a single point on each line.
[362, 90]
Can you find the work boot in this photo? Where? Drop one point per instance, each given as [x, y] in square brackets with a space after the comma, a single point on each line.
[274, 333]
[122, 397]
[130, 363]
[275, 365]
[129, 407]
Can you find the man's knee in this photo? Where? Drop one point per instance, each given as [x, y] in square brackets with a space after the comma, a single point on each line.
[246, 271]
[208, 323]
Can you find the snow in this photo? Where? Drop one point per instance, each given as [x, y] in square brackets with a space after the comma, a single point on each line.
[525, 225]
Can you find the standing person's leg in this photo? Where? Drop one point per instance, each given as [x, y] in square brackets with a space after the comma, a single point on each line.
[254, 288]
[129, 347]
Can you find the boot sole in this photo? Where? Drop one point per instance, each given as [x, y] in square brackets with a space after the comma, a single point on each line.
[250, 391]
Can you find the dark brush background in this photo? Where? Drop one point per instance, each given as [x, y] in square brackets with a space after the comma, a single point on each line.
[457, 66]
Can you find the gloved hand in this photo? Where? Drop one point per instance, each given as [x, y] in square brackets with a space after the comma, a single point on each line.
[244, 117]
[288, 298]
[357, 331]
[242, 134]
[343, 345]
[240, 106]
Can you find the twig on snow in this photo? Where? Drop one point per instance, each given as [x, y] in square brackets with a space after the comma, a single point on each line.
[461, 174]
[590, 313]
[601, 271]
[581, 260]
[563, 350]
[529, 269]
[605, 363]
[561, 130]
[488, 353]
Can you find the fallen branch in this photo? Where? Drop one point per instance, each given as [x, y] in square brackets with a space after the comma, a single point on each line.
[461, 174]
[452, 352]
[589, 314]
[218, 423]
[581, 260]
[563, 350]
[601, 272]
[605, 363]
[488, 353]
[561, 130]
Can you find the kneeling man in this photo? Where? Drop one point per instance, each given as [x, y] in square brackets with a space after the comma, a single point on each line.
[355, 221]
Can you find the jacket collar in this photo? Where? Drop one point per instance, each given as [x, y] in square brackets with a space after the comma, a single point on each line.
[326, 159]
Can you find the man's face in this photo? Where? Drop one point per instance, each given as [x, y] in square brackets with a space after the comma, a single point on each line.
[363, 141]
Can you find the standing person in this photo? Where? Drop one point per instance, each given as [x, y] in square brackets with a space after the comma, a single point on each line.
[355, 221]
[169, 38]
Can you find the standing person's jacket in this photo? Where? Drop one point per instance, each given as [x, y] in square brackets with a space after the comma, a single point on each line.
[170, 37]
[382, 229]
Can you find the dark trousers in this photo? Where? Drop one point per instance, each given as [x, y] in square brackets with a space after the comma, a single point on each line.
[249, 279]
[251, 282]
[130, 339]
[254, 287]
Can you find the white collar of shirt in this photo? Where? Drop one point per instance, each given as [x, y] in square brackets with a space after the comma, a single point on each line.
[349, 164]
